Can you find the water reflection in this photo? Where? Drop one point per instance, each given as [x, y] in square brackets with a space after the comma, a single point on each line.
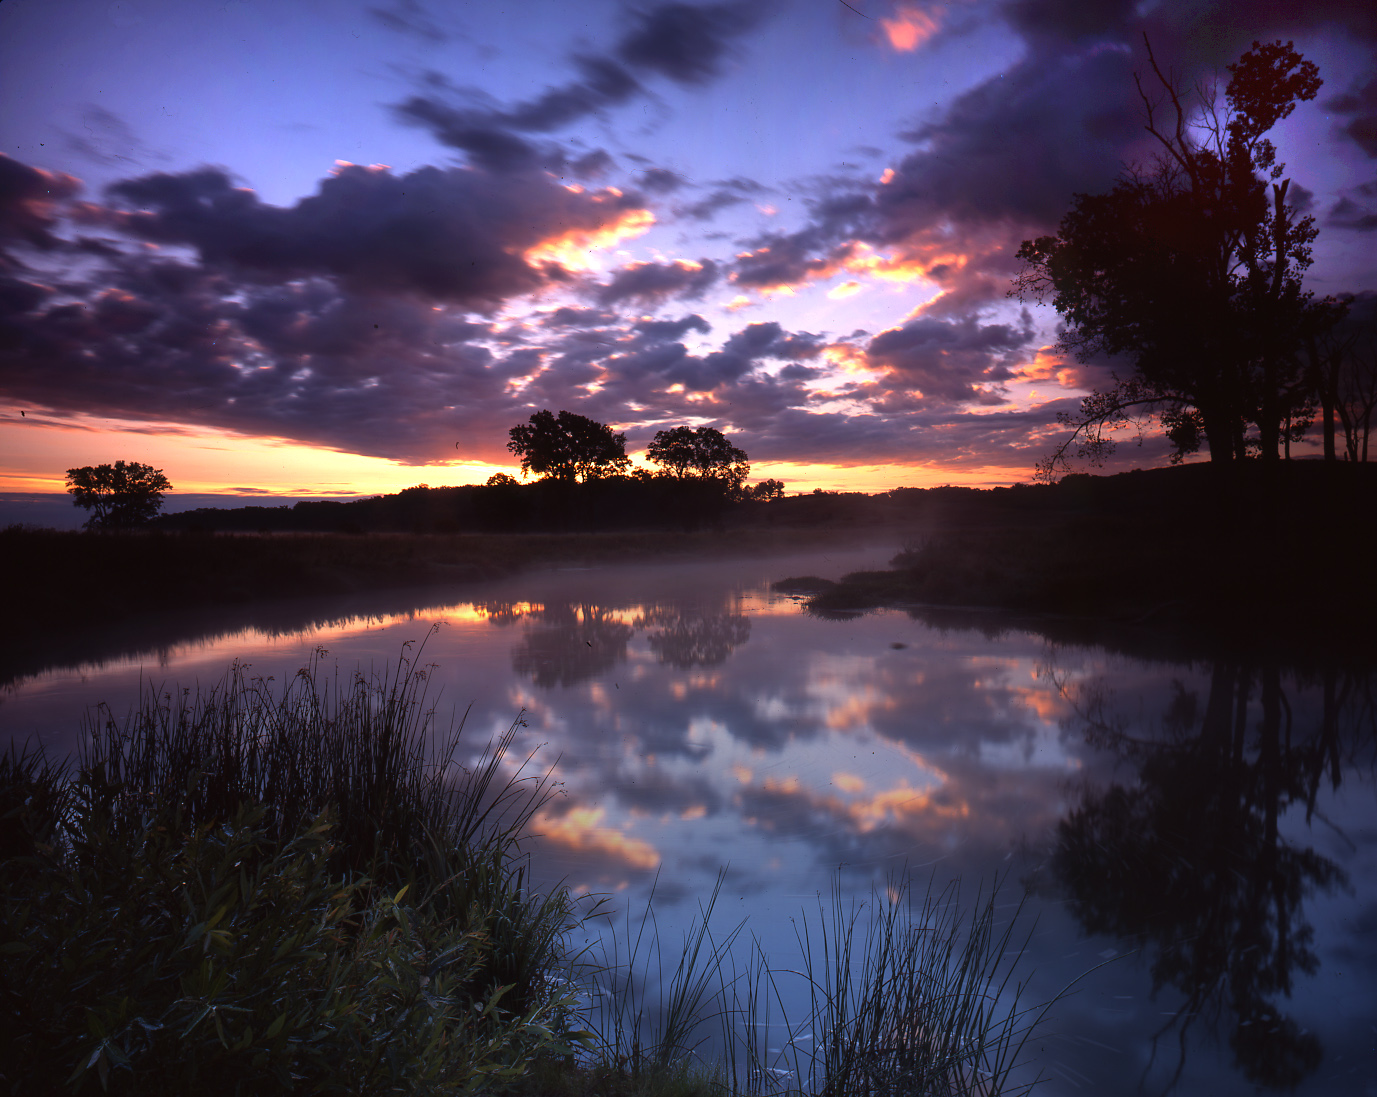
[700, 720]
[1187, 858]
[565, 643]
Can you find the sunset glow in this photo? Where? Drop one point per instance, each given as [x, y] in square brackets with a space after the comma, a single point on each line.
[911, 26]
[349, 269]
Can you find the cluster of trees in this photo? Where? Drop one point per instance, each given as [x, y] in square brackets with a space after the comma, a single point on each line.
[1191, 269]
[572, 448]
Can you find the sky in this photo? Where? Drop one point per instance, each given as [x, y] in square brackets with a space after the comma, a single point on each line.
[338, 248]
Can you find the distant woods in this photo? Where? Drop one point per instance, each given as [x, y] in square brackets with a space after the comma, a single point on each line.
[503, 505]
[1191, 272]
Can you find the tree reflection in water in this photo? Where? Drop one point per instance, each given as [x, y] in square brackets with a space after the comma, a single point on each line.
[572, 642]
[688, 637]
[1189, 862]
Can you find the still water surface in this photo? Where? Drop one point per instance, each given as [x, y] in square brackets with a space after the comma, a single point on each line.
[1210, 825]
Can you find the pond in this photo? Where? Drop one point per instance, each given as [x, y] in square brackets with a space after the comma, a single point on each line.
[1196, 837]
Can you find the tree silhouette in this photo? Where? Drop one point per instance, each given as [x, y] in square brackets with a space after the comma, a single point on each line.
[119, 496]
[568, 447]
[1192, 271]
[702, 452]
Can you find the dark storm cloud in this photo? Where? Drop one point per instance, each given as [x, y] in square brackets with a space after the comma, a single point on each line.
[453, 235]
[654, 283]
[685, 43]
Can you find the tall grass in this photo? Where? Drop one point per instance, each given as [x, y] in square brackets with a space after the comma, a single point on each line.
[906, 994]
[245, 890]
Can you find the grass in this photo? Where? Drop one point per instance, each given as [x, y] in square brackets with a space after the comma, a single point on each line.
[249, 890]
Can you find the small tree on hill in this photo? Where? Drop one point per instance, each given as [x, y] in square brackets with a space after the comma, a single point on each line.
[119, 496]
[568, 447]
[704, 453]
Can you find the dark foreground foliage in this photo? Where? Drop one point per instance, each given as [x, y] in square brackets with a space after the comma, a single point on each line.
[248, 893]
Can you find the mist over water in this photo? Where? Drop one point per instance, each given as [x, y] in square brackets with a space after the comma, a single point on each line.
[1208, 826]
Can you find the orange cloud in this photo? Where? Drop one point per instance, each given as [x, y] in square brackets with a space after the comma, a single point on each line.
[911, 26]
[573, 249]
[579, 829]
[1049, 365]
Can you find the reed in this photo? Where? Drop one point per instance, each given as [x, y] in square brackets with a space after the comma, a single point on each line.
[243, 889]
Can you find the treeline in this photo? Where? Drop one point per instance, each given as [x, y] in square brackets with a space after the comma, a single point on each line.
[663, 503]
[546, 506]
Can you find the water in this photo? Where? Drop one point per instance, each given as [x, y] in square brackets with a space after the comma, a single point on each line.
[1207, 826]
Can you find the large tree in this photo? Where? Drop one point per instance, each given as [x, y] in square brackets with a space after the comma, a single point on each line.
[701, 452]
[121, 495]
[568, 447]
[1191, 270]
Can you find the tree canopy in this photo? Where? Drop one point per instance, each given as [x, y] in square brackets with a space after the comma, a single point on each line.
[568, 447]
[1191, 270]
[702, 452]
[121, 495]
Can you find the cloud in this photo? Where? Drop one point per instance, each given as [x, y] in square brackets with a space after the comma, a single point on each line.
[706, 208]
[660, 180]
[30, 201]
[655, 283]
[911, 25]
[410, 18]
[685, 43]
[946, 360]
[1348, 214]
[460, 235]
[1003, 160]
[1361, 103]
